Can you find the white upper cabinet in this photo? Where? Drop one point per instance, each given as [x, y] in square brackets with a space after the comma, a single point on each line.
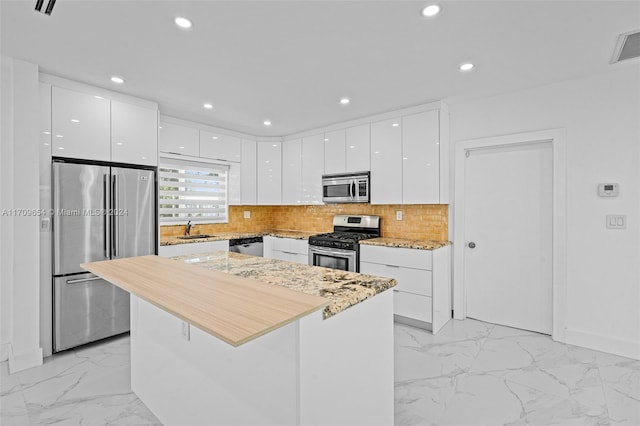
[220, 146]
[421, 158]
[177, 139]
[386, 162]
[134, 134]
[81, 125]
[358, 148]
[269, 173]
[248, 182]
[292, 172]
[312, 169]
[234, 184]
[334, 152]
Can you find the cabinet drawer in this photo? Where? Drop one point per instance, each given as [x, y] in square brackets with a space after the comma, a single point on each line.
[290, 257]
[410, 258]
[299, 246]
[412, 306]
[290, 245]
[411, 280]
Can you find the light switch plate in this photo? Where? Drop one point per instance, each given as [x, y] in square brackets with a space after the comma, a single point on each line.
[616, 221]
[45, 224]
[399, 215]
[247, 214]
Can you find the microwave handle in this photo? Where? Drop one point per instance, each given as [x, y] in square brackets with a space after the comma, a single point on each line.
[352, 189]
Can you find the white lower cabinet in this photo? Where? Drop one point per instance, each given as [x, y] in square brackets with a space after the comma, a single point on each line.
[422, 296]
[289, 249]
[193, 248]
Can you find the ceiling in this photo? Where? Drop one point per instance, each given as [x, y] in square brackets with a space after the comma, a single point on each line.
[291, 61]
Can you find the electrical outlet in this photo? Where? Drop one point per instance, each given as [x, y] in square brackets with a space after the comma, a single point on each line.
[247, 214]
[186, 331]
[399, 215]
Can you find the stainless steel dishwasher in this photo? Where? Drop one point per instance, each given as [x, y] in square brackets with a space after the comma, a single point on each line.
[251, 246]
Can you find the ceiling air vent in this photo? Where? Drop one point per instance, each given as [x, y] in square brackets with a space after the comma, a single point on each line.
[628, 47]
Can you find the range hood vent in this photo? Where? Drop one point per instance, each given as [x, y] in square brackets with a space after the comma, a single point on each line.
[628, 47]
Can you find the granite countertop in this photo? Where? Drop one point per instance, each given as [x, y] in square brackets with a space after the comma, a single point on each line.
[406, 243]
[343, 289]
[221, 236]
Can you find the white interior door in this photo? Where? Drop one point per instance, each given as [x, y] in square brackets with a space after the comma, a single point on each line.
[509, 218]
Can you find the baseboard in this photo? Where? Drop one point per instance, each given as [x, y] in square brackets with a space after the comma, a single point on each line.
[23, 360]
[5, 350]
[613, 345]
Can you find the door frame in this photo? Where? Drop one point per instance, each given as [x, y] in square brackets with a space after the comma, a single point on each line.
[559, 228]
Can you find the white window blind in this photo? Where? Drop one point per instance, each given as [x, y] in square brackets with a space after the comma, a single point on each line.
[191, 190]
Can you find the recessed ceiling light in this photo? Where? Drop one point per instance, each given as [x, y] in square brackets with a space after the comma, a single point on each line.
[183, 22]
[466, 67]
[431, 10]
[326, 139]
[352, 146]
[98, 97]
[267, 122]
[181, 147]
[47, 133]
[119, 143]
[60, 147]
[345, 101]
[274, 145]
[59, 136]
[395, 124]
[117, 79]
[75, 120]
[208, 106]
[214, 137]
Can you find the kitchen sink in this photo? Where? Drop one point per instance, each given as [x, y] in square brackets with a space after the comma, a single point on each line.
[194, 237]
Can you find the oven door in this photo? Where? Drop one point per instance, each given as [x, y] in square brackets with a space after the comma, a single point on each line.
[345, 260]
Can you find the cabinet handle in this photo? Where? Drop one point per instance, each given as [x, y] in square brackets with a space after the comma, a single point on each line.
[392, 266]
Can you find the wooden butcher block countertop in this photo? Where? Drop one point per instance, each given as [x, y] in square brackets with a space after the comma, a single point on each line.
[232, 308]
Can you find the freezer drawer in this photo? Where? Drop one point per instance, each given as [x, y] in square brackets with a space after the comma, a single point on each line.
[87, 308]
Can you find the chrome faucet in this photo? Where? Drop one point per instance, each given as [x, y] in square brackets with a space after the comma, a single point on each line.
[187, 228]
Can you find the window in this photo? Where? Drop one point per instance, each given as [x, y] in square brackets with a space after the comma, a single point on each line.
[190, 190]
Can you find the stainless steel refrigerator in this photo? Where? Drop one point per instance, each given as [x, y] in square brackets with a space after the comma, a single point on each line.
[100, 212]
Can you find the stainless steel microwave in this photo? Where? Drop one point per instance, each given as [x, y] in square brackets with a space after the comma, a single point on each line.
[346, 187]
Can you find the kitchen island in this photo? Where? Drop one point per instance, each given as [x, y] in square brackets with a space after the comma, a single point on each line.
[323, 357]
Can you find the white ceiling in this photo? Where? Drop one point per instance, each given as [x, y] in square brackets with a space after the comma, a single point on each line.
[291, 61]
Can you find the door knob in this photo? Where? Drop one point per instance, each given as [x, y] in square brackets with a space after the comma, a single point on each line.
[472, 245]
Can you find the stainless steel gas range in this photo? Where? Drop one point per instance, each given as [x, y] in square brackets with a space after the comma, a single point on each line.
[340, 249]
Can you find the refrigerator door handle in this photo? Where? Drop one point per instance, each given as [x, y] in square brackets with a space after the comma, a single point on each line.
[105, 190]
[55, 219]
[83, 280]
[114, 218]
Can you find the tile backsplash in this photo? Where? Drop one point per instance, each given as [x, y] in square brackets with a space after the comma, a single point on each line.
[420, 221]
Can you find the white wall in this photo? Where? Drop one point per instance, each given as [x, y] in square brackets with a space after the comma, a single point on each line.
[601, 115]
[19, 241]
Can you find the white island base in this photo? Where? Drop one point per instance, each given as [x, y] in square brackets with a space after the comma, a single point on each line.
[337, 371]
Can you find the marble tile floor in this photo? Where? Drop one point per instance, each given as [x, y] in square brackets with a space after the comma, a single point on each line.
[471, 373]
[87, 386]
[475, 373]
